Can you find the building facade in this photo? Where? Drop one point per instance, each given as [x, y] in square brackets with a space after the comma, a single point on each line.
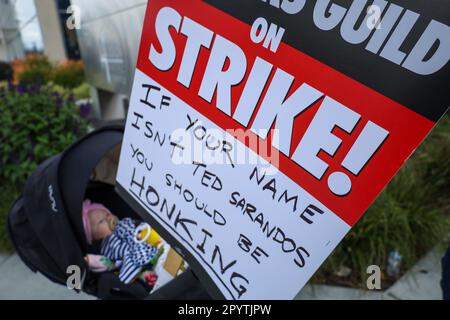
[11, 45]
[60, 42]
[109, 37]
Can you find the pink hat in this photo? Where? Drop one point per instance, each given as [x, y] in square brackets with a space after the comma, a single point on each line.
[88, 206]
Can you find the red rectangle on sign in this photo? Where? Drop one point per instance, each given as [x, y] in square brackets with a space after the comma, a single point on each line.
[405, 128]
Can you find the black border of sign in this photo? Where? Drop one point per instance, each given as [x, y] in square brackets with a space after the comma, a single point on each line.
[203, 276]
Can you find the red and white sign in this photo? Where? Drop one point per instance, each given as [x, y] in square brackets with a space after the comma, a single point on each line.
[252, 157]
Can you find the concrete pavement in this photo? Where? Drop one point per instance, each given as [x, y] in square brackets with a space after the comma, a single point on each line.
[18, 282]
[422, 282]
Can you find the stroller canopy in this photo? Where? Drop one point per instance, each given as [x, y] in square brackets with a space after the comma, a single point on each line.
[45, 223]
[51, 206]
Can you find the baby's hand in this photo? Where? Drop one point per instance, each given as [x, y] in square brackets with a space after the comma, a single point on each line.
[99, 263]
[150, 278]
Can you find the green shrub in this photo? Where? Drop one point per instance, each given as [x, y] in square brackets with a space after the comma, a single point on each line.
[33, 76]
[33, 70]
[69, 75]
[82, 92]
[65, 93]
[434, 156]
[34, 62]
[36, 69]
[411, 216]
[36, 123]
[8, 195]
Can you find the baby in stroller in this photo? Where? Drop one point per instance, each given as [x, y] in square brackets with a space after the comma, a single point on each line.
[127, 246]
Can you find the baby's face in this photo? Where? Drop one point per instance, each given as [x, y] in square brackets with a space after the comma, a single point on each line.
[102, 224]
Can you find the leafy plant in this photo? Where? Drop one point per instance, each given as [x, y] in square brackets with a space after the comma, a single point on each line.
[34, 69]
[37, 123]
[410, 216]
[81, 92]
[8, 195]
[69, 74]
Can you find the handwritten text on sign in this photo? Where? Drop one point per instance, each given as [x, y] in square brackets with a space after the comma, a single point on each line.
[239, 222]
[255, 165]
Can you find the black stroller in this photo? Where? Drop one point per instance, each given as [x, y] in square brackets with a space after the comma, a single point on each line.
[45, 223]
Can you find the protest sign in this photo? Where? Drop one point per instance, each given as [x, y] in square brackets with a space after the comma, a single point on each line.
[260, 131]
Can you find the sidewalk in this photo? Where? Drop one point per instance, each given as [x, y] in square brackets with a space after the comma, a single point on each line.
[18, 282]
[422, 282]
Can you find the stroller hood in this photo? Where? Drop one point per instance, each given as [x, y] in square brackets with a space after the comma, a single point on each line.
[45, 224]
